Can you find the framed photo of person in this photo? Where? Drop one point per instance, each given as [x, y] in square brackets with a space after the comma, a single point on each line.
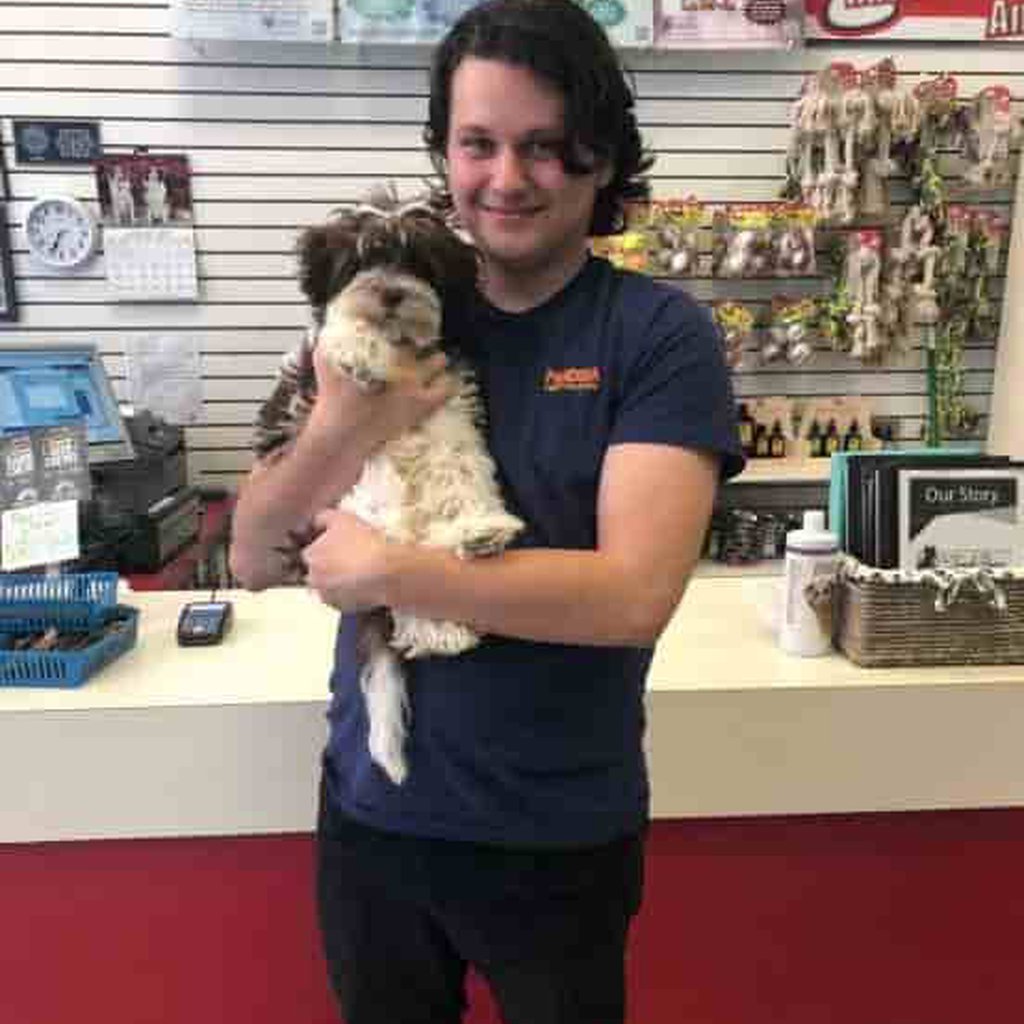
[8, 306]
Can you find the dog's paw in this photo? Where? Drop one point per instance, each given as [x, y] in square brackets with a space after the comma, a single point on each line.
[367, 378]
[357, 352]
[418, 638]
[476, 536]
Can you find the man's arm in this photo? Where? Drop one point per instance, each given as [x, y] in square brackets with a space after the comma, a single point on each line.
[280, 497]
[654, 504]
[285, 490]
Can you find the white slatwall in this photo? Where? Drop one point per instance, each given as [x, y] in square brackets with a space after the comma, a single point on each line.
[279, 134]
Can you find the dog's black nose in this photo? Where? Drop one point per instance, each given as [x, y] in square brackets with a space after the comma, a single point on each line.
[391, 297]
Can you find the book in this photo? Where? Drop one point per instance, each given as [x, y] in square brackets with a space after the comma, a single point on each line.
[960, 517]
[845, 505]
[885, 551]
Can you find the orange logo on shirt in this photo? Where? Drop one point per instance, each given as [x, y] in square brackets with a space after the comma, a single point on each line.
[572, 378]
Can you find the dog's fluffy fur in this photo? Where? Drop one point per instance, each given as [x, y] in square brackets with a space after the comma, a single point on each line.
[374, 277]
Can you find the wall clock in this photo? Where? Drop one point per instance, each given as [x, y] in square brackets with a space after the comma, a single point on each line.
[60, 232]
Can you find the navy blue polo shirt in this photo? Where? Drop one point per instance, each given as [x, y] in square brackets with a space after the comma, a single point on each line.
[526, 743]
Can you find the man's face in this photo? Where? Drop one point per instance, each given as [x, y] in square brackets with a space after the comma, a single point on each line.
[505, 173]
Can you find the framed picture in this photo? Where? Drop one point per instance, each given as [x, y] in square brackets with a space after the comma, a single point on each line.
[144, 189]
[8, 306]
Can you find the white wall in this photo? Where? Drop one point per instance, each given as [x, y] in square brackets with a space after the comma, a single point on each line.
[279, 134]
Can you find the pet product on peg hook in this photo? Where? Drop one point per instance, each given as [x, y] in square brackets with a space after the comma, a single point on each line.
[863, 271]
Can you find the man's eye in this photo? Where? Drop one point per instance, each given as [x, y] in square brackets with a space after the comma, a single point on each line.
[475, 146]
[544, 150]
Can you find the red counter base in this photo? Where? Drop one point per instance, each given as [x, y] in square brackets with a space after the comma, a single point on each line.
[871, 918]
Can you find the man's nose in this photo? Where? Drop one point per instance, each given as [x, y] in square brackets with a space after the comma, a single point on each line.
[509, 171]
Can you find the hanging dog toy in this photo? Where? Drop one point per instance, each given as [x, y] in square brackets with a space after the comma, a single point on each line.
[857, 121]
[987, 140]
[863, 269]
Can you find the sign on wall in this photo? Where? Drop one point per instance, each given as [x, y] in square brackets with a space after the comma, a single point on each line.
[938, 20]
[56, 142]
[259, 20]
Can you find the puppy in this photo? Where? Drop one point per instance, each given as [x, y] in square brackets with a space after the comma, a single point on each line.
[374, 277]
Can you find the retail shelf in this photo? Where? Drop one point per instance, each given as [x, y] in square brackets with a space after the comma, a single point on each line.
[784, 471]
[770, 567]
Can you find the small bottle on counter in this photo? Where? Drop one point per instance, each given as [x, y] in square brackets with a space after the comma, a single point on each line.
[811, 558]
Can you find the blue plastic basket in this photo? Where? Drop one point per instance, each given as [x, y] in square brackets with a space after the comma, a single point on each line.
[31, 603]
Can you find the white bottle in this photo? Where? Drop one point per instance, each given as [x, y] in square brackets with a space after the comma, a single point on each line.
[811, 554]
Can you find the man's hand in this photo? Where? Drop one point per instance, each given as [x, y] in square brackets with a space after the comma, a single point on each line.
[416, 388]
[347, 562]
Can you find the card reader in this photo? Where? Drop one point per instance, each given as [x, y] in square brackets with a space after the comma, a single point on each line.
[202, 623]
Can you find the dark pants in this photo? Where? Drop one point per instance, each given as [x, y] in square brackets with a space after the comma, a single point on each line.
[401, 918]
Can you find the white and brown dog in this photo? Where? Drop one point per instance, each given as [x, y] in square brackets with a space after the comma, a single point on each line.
[374, 276]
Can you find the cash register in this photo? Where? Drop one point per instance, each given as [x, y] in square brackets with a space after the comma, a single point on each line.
[142, 511]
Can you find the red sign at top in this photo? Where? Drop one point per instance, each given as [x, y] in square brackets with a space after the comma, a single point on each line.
[916, 19]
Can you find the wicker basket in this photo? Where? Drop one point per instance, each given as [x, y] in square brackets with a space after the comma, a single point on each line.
[926, 618]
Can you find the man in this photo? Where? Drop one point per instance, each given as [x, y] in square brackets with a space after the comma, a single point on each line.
[516, 843]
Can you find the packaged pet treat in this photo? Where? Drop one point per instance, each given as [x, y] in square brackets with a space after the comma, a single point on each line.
[673, 248]
[736, 324]
[789, 332]
[743, 243]
[628, 249]
[794, 241]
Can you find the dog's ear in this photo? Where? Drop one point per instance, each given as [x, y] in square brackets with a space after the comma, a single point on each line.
[315, 264]
[323, 257]
[459, 262]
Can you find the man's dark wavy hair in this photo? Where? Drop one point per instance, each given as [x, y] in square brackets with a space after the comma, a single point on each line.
[559, 41]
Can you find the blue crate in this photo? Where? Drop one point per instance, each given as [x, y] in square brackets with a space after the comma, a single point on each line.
[31, 601]
[72, 602]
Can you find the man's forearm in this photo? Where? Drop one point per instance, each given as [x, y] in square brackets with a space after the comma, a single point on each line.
[281, 497]
[557, 596]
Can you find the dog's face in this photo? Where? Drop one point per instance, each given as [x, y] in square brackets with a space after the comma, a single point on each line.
[389, 255]
[393, 304]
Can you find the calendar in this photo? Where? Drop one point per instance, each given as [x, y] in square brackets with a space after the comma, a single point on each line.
[151, 264]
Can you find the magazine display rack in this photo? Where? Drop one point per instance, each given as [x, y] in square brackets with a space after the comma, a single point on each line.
[888, 617]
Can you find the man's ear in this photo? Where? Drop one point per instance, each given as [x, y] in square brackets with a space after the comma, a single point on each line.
[320, 257]
[605, 173]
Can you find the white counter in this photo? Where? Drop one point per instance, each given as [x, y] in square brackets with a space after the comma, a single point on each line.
[226, 740]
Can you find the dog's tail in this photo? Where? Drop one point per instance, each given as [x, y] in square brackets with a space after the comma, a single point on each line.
[387, 704]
